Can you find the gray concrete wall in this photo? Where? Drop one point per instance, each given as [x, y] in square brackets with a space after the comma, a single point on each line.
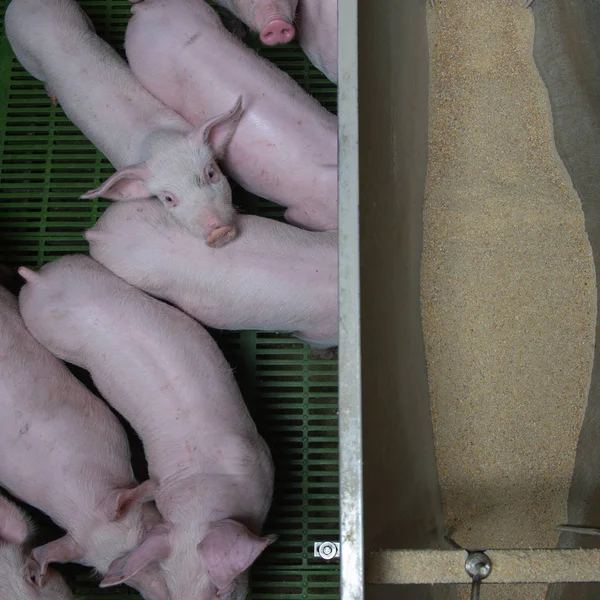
[402, 506]
[567, 53]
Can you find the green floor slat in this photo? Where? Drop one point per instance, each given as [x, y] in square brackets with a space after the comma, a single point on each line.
[45, 164]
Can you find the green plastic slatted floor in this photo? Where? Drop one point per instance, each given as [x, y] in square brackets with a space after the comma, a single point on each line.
[45, 164]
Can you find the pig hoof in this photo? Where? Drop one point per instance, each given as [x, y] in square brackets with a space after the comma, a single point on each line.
[277, 32]
[220, 236]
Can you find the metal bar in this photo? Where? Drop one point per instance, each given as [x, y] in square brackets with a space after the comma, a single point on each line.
[350, 389]
[509, 566]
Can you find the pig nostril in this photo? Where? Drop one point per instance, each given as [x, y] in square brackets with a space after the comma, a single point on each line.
[220, 236]
[277, 32]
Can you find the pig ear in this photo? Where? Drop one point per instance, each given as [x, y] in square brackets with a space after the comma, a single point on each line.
[150, 583]
[13, 525]
[229, 549]
[153, 547]
[119, 502]
[217, 132]
[62, 550]
[126, 184]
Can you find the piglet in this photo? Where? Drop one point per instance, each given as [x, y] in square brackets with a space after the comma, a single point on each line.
[164, 373]
[63, 451]
[272, 277]
[317, 26]
[157, 153]
[285, 147]
[273, 19]
[17, 580]
[317, 34]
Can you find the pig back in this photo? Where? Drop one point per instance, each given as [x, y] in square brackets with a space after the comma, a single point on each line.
[156, 366]
[281, 277]
[285, 147]
[90, 81]
[58, 442]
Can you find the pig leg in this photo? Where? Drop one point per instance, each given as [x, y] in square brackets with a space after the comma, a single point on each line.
[63, 550]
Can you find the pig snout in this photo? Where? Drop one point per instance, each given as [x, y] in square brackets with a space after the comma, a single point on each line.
[219, 235]
[277, 32]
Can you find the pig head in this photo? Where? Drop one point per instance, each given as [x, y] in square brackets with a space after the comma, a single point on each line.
[155, 151]
[214, 561]
[184, 175]
[272, 19]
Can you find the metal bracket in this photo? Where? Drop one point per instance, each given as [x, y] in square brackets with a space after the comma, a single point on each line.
[551, 565]
[479, 566]
[327, 550]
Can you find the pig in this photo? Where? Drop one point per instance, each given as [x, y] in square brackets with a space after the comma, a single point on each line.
[272, 19]
[163, 372]
[272, 277]
[17, 581]
[157, 153]
[317, 34]
[317, 26]
[64, 452]
[285, 146]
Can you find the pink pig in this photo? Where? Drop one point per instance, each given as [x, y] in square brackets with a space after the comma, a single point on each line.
[63, 451]
[317, 26]
[272, 277]
[156, 152]
[164, 373]
[273, 19]
[317, 34]
[285, 147]
[17, 581]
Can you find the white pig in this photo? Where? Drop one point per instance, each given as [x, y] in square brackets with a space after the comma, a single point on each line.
[285, 147]
[156, 152]
[164, 373]
[63, 451]
[272, 19]
[317, 34]
[272, 277]
[17, 581]
[317, 26]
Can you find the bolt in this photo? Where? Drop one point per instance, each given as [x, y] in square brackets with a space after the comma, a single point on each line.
[478, 565]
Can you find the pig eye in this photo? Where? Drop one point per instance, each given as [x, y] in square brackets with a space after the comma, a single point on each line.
[211, 174]
[169, 200]
[32, 578]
